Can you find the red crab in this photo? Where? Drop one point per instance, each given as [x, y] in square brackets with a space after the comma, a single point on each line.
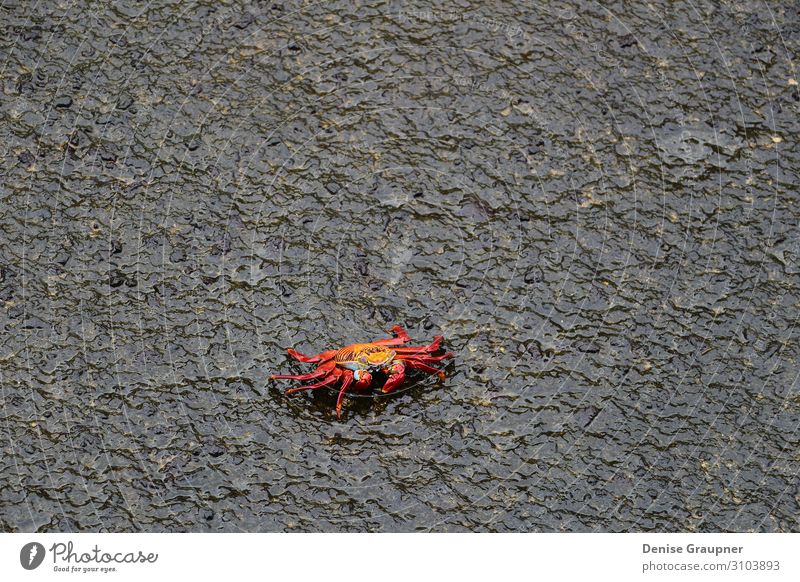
[358, 362]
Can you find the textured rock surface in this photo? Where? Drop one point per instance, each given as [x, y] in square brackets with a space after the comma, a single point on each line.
[596, 205]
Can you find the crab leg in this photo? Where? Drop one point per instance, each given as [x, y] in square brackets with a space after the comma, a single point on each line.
[332, 378]
[402, 337]
[347, 379]
[397, 373]
[321, 357]
[417, 365]
[431, 347]
[321, 371]
[425, 357]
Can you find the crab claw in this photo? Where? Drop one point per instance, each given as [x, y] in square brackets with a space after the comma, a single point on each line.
[397, 373]
[363, 380]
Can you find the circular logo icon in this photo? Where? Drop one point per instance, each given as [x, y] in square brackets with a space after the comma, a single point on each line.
[31, 555]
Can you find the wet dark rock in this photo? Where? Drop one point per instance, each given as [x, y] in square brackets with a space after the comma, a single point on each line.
[600, 222]
[246, 20]
[63, 102]
[116, 278]
[627, 41]
[124, 102]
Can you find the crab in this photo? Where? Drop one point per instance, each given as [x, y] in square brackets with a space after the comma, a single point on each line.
[357, 365]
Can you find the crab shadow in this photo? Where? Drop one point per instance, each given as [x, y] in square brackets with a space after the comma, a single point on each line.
[323, 401]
